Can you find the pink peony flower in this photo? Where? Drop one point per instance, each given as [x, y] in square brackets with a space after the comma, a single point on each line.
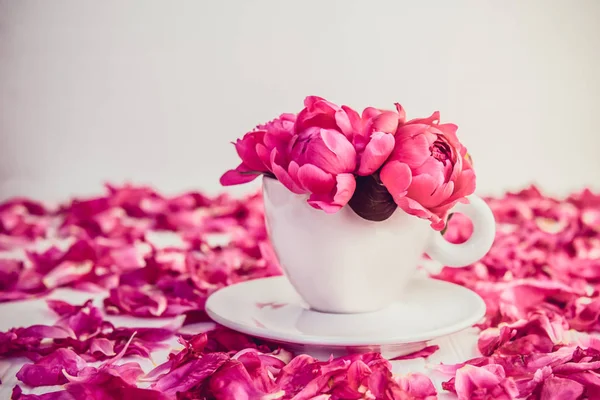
[256, 148]
[371, 134]
[322, 159]
[369, 140]
[375, 140]
[429, 170]
[332, 152]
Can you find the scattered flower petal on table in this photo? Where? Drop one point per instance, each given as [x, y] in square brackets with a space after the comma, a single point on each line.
[540, 282]
[48, 370]
[426, 352]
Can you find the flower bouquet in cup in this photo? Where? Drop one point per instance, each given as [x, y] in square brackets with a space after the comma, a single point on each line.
[352, 201]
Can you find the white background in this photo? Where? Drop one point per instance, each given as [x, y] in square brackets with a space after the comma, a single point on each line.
[154, 91]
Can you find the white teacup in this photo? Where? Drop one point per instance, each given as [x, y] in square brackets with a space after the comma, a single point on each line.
[342, 263]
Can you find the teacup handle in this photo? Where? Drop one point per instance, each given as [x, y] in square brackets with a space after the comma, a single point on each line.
[480, 242]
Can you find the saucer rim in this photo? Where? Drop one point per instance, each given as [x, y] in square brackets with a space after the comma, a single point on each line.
[340, 341]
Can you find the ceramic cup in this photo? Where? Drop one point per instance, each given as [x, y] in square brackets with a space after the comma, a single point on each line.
[342, 263]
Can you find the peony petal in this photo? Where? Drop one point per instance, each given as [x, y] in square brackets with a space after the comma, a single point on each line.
[348, 121]
[376, 153]
[386, 122]
[433, 119]
[323, 202]
[315, 180]
[370, 113]
[436, 170]
[426, 352]
[529, 384]
[491, 339]
[67, 272]
[48, 370]
[358, 372]
[265, 155]
[413, 207]
[343, 122]
[424, 189]
[345, 186]
[318, 112]
[397, 178]
[449, 130]
[284, 177]
[571, 367]
[556, 388]
[310, 101]
[232, 381]
[554, 359]
[339, 145]
[464, 185]
[412, 146]
[240, 175]
[61, 308]
[103, 346]
[354, 118]
[401, 114]
[190, 374]
[487, 379]
[419, 386]
[246, 149]
[46, 332]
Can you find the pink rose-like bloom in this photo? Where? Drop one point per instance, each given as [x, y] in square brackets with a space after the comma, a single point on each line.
[375, 140]
[322, 160]
[257, 147]
[332, 144]
[429, 170]
[371, 134]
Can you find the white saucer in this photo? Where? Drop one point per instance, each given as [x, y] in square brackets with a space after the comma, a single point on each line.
[270, 308]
